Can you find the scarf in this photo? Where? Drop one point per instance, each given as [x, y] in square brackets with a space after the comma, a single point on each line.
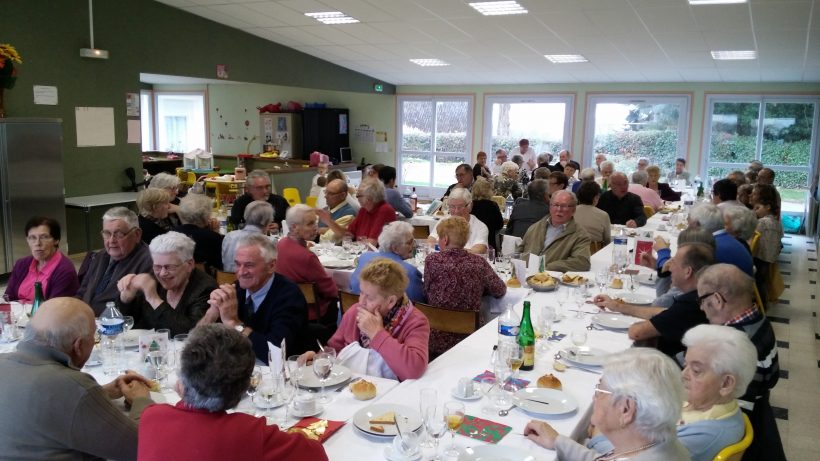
[393, 322]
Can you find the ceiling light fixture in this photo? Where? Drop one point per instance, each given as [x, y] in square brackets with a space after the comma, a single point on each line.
[715, 2]
[332, 17]
[429, 62]
[498, 8]
[733, 55]
[565, 58]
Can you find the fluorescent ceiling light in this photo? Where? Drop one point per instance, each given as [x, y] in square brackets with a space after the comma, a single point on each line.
[429, 62]
[498, 8]
[734, 55]
[332, 17]
[565, 58]
[714, 2]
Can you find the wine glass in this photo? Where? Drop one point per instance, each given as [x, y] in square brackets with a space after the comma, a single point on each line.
[515, 358]
[428, 399]
[322, 367]
[158, 357]
[347, 243]
[267, 389]
[489, 389]
[127, 323]
[287, 393]
[543, 327]
[253, 384]
[435, 424]
[454, 412]
[579, 337]
[602, 277]
[295, 369]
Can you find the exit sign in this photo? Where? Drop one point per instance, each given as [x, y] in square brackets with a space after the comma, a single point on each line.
[378, 87]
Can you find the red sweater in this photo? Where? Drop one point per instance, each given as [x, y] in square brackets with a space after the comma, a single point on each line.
[299, 265]
[184, 434]
[370, 223]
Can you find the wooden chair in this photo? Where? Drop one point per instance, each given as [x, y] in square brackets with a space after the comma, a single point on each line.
[648, 211]
[291, 194]
[421, 232]
[500, 201]
[225, 277]
[735, 452]
[201, 266]
[753, 242]
[595, 247]
[450, 321]
[309, 292]
[347, 300]
[311, 201]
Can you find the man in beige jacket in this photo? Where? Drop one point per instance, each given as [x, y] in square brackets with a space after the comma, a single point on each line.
[564, 244]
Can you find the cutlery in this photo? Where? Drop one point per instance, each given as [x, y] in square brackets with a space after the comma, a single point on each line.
[321, 348]
[592, 326]
[505, 412]
[582, 311]
[537, 401]
[341, 388]
[588, 370]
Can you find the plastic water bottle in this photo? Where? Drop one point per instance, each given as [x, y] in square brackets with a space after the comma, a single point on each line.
[620, 253]
[688, 201]
[509, 205]
[508, 325]
[111, 326]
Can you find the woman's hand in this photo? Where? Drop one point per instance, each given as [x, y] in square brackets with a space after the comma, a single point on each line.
[126, 288]
[369, 323]
[541, 433]
[306, 358]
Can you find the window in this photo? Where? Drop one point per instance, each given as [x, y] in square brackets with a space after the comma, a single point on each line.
[435, 137]
[173, 121]
[546, 121]
[777, 130]
[628, 127]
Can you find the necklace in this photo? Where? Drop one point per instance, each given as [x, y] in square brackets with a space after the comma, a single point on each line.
[613, 456]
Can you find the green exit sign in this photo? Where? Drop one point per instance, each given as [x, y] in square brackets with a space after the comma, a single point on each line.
[378, 87]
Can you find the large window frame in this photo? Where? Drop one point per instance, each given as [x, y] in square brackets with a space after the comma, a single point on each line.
[683, 130]
[153, 131]
[569, 113]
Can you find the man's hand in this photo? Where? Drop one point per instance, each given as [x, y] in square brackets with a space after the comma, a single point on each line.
[631, 224]
[541, 433]
[648, 260]
[605, 302]
[369, 323]
[224, 299]
[114, 388]
[272, 228]
[134, 389]
[323, 215]
[660, 243]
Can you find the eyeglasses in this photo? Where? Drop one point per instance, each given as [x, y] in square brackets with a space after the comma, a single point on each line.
[170, 268]
[601, 390]
[116, 235]
[39, 238]
[701, 299]
[562, 207]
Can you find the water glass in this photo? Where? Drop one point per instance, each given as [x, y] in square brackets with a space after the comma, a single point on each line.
[454, 412]
[322, 368]
[435, 425]
[428, 400]
[543, 327]
[295, 369]
[253, 384]
[579, 336]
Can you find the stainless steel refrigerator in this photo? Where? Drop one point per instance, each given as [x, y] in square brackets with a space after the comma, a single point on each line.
[31, 182]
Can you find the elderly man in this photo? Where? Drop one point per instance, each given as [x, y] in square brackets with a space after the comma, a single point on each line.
[668, 325]
[500, 158]
[558, 181]
[372, 216]
[606, 170]
[337, 210]
[726, 296]
[648, 196]
[643, 162]
[622, 206]
[527, 153]
[464, 178]
[261, 305]
[52, 410]
[765, 176]
[564, 159]
[680, 173]
[708, 217]
[387, 175]
[124, 253]
[461, 203]
[558, 238]
[600, 158]
[258, 216]
[724, 194]
[527, 211]
[258, 187]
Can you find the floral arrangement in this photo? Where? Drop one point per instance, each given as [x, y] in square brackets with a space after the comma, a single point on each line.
[8, 58]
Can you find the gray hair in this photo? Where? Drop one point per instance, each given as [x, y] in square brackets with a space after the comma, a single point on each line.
[607, 163]
[62, 335]
[266, 247]
[296, 215]
[744, 221]
[372, 189]
[646, 159]
[517, 158]
[734, 284]
[259, 213]
[640, 177]
[543, 158]
[537, 190]
[123, 214]
[707, 216]
[393, 234]
[215, 369]
[730, 352]
[460, 193]
[696, 236]
[508, 166]
[261, 174]
[653, 381]
[164, 180]
[195, 209]
[587, 174]
[173, 243]
[565, 192]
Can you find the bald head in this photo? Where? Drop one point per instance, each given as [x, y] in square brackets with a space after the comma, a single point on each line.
[736, 289]
[60, 323]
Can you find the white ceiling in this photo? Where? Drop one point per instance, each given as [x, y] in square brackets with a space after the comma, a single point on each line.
[624, 40]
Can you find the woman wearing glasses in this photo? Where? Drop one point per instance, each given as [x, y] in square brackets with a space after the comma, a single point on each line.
[46, 265]
[175, 296]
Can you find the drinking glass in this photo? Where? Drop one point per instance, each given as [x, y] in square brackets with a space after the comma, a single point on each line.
[602, 278]
[158, 359]
[515, 358]
[436, 426]
[322, 367]
[428, 400]
[287, 393]
[295, 369]
[253, 384]
[347, 244]
[543, 327]
[454, 412]
[579, 336]
[490, 255]
[488, 390]
[127, 323]
[267, 389]
[164, 331]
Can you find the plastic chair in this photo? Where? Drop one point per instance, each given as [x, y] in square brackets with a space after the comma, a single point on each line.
[190, 178]
[759, 301]
[753, 242]
[448, 320]
[291, 194]
[500, 201]
[735, 452]
[347, 300]
[311, 201]
[223, 190]
[648, 211]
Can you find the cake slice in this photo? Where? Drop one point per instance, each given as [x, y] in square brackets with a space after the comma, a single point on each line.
[386, 418]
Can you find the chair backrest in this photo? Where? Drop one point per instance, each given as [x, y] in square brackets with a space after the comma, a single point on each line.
[225, 277]
[421, 231]
[595, 247]
[291, 194]
[500, 201]
[450, 321]
[347, 300]
[309, 291]
[735, 452]
[311, 201]
[648, 211]
[200, 266]
[190, 179]
[753, 242]
[759, 301]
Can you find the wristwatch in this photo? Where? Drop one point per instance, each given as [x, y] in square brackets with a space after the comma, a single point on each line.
[239, 327]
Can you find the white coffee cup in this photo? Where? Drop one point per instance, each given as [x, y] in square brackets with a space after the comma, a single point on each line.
[305, 403]
[465, 387]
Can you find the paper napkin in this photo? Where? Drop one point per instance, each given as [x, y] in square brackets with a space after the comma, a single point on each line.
[483, 429]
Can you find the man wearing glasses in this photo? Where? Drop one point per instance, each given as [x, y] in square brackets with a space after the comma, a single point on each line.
[558, 238]
[124, 253]
[337, 210]
[258, 187]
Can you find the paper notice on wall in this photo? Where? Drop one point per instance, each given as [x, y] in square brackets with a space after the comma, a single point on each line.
[132, 104]
[363, 134]
[134, 134]
[381, 147]
[381, 136]
[95, 126]
[45, 95]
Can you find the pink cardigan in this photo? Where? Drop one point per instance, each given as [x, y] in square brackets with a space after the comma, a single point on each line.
[299, 265]
[405, 355]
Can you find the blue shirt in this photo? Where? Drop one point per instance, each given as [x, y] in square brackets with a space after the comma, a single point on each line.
[415, 290]
[260, 294]
[730, 251]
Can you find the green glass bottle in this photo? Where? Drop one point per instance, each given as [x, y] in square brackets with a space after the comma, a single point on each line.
[526, 338]
[604, 185]
[38, 297]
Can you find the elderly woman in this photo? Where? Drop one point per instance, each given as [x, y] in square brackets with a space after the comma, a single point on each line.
[154, 206]
[168, 182]
[175, 296]
[507, 183]
[395, 243]
[195, 214]
[300, 265]
[383, 326]
[607, 168]
[47, 265]
[486, 210]
[461, 203]
[741, 223]
[258, 215]
[663, 189]
[720, 363]
[636, 405]
[214, 373]
[586, 175]
[766, 203]
[374, 213]
[455, 279]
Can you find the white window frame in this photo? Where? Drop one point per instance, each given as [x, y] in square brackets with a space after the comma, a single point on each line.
[152, 114]
[489, 100]
[684, 99]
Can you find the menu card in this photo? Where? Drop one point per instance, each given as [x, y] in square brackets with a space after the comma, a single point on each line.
[152, 341]
[483, 429]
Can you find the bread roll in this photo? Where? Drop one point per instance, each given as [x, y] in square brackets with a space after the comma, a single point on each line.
[617, 284]
[513, 282]
[363, 390]
[549, 381]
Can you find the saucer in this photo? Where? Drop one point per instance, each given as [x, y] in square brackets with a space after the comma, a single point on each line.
[476, 393]
[391, 455]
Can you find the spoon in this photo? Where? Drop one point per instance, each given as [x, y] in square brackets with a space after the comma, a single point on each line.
[505, 412]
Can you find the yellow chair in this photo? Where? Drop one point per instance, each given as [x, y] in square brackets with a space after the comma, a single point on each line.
[190, 178]
[291, 194]
[223, 190]
[347, 300]
[648, 211]
[448, 320]
[211, 186]
[759, 301]
[500, 201]
[225, 277]
[311, 201]
[735, 452]
[753, 243]
[182, 174]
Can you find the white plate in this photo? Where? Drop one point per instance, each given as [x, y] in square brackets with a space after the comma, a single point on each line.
[476, 393]
[362, 418]
[644, 279]
[614, 321]
[494, 453]
[340, 374]
[392, 456]
[637, 299]
[319, 408]
[588, 356]
[131, 339]
[335, 263]
[573, 284]
[544, 401]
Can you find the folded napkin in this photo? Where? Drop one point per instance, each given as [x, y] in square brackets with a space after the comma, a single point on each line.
[483, 429]
[315, 428]
[489, 374]
[556, 336]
